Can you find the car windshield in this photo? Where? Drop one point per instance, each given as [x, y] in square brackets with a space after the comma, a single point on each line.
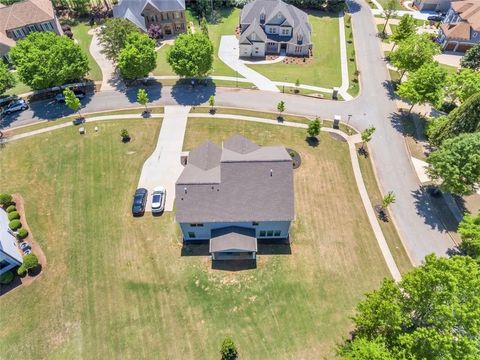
[157, 198]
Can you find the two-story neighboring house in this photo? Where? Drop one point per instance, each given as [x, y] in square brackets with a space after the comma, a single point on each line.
[10, 256]
[460, 30]
[235, 194]
[274, 27]
[21, 18]
[169, 15]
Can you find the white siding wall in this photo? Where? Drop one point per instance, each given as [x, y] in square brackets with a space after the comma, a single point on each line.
[245, 50]
[258, 49]
[292, 50]
[204, 232]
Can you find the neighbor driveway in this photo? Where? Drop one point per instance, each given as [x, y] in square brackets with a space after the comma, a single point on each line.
[163, 167]
[228, 52]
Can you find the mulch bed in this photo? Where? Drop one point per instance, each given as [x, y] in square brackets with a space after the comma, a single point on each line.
[36, 249]
[297, 160]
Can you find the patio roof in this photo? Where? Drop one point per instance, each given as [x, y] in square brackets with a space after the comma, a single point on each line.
[233, 238]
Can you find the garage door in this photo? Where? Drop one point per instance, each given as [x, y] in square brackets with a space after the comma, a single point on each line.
[463, 47]
[429, 7]
[450, 46]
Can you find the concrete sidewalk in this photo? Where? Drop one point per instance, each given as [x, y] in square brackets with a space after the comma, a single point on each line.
[163, 167]
[228, 52]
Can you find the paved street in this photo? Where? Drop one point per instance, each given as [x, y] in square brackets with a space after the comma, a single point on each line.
[420, 229]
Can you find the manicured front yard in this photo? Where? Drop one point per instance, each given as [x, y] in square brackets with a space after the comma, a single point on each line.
[19, 88]
[80, 33]
[118, 287]
[325, 69]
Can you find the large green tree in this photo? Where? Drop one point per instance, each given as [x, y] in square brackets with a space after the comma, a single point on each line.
[405, 28]
[413, 52]
[364, 349]
[471, 59]
[191, 55]
[457, 164]
[432, 313]
[113, 36]
[462, 85]
[464, 119]
[469, 230]
[7, 80]
[138, 57]
[44, 59]
[389, 11]
[425, 85]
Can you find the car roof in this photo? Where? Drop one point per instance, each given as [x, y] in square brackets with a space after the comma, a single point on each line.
[141, 191]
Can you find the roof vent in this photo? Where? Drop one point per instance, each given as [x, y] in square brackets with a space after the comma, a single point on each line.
[271, 172]
[185, 189]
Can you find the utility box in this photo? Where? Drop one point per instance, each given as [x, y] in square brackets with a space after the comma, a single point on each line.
[336, 121]
[335, 93]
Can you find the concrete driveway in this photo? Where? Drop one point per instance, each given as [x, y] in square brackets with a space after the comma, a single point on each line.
[163, 167]
[228, 52]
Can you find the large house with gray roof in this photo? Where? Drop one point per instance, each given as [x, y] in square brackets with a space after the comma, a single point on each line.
[234, 195]
[169, 15]
[274, 27]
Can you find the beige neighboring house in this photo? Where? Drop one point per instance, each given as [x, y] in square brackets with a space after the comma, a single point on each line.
[460, 30]
[433, 5]
[20, 19]
[169, 15]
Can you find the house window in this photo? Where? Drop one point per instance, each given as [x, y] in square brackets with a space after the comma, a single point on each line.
[273, 30]
[262, 233]
[31, 28]
[177, 15]
[298, 49]
[285, 31]
[279, 15]
[277, 233]
[254, 223]
[262, 17]
[47, 26]
[196, 225]
[191, 234]
[253, 37]
[18, 33]
[161, 16]
[270, 233]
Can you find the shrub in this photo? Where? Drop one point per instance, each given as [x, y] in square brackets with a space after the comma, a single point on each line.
[6, 278]
[11, 208]
[13, 215]
[15, 224]
[228, 349]
[22, 233]
[21, 271]
[5, 199]
[30, 261]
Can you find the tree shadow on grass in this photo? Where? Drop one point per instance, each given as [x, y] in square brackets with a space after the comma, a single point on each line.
[186, 94]
[312, 141]
[353, 7]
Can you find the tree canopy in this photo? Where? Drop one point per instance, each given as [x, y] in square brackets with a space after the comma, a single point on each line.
[464, 119]
[138, 57]
[462, 85]
[457, 164]
[413, 52]
[432, 313]
[425, 85]
[469, 230]
[471, 59]
[314, 128]
[7, 80]
[44, 59]
[405, 28]
[113, 36]
[191, 55]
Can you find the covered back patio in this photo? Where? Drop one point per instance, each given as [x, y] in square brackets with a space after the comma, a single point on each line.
[233, 243]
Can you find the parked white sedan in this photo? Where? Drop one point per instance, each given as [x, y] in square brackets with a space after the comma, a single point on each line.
[158, 199]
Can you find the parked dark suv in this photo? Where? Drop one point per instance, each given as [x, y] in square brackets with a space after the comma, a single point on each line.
[139, 202]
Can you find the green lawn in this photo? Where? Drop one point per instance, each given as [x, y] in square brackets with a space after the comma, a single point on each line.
[118, 287]
[384, 4]
[80, 33]
[325, 69]
[353, 88]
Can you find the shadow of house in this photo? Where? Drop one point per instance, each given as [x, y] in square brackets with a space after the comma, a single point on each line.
[234, 265]
[198, 94]
[6, 288]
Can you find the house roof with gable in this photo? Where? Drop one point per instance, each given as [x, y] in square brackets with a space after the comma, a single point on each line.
[24, 13]
[240, 181]
[132, 9]
[469, 13]
[250, 21]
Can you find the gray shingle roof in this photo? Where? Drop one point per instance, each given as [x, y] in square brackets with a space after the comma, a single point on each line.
[251, 186]
[294, 17]
[233, 238]
[132, 9]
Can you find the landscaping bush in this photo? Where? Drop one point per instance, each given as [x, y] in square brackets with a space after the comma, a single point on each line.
[22, 233]
[30, 261]
[11, 208]
[6, 278]
[5, 199]
[228, 351]
[15, 224]
[13, 215]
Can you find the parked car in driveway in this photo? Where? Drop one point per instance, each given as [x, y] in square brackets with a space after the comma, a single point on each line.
[139, 202]
[15, 106]
[60, 98]
[158, 199]
[435, 18]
